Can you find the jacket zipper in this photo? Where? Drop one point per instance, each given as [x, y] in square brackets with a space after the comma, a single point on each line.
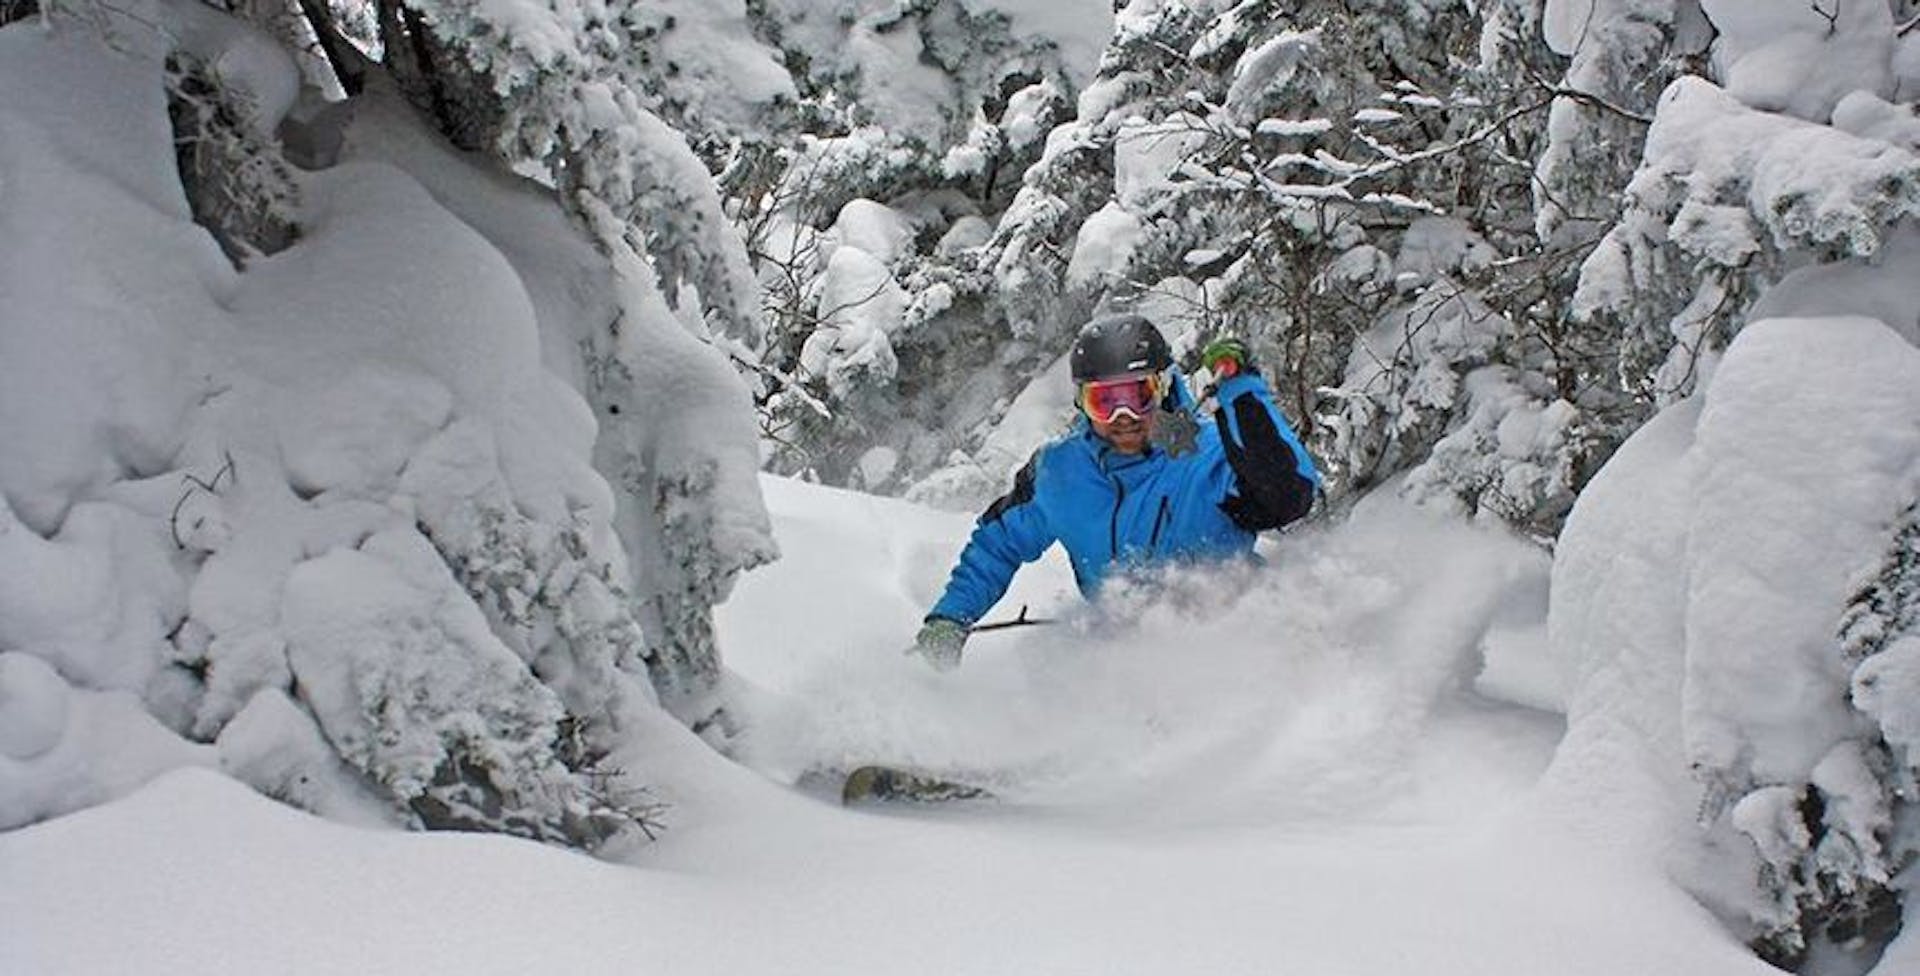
[1159, 522]
[1113, 525]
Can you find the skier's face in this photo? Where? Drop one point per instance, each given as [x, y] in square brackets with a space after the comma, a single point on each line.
[1120, 409]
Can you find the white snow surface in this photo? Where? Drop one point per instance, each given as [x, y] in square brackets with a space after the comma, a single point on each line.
[1248, 773]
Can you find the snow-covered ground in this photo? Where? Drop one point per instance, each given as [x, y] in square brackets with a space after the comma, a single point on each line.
[1279, 771]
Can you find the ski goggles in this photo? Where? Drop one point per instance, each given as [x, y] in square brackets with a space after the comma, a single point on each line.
[1104, 400]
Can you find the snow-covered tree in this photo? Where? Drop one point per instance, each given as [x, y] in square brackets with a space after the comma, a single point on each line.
[452, 475]
[582, 94]
[1347, 185]
[1769, 166]
[1775, 189]
[914, 123]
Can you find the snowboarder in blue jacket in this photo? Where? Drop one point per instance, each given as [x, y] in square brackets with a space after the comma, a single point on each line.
[1142, 477]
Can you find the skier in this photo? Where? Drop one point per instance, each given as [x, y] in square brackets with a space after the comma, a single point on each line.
[1141, 477]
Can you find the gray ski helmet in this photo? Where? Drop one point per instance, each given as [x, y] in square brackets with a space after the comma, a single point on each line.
[1113, 345]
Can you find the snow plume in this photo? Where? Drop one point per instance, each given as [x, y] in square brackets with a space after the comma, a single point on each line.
[1297, 689]
[334, 523]
[1770, 497]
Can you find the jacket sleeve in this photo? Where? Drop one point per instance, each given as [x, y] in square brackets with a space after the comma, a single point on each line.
[1274, 479]
[1010, 532]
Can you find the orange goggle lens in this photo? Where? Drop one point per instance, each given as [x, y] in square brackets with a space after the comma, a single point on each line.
[1104, 400]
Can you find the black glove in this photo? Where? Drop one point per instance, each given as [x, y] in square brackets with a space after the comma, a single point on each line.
[1271, 491]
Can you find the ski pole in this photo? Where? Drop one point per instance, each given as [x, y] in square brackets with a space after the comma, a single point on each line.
[1020, 621]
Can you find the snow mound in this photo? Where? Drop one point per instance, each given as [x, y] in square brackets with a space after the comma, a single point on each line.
[1809, 446]
[1699, 585]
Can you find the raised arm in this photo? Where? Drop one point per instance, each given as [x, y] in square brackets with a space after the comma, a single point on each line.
[1275, 481]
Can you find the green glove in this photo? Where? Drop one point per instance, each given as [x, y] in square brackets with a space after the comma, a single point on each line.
[1225, 357]
[939, 642]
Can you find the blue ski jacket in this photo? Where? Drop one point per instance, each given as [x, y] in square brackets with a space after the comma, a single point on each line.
[1244, 471]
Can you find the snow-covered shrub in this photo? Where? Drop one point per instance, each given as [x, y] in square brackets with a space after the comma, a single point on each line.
[1784, 190]
[1720, 595]
[583, 96]
[1830, 851]
[1775, 556]
[345, 515]
[1728, 198]
[561, 86]
[413, 690]
[676, 442]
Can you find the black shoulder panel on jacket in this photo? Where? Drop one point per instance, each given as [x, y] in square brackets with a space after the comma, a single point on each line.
[1021, 493]
[1271, 490]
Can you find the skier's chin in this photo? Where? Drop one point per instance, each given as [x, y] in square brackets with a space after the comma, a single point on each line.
[1127, 436]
